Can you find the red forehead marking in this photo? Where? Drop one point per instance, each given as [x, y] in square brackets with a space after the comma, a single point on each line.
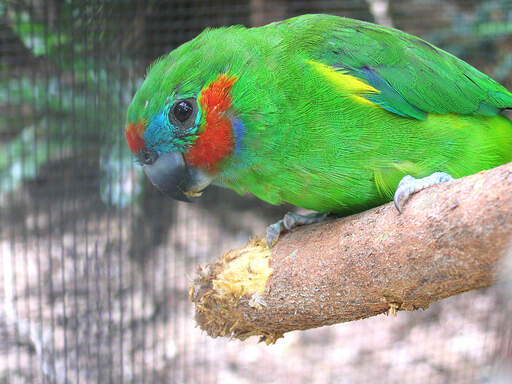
[135, 136]
[216, 141]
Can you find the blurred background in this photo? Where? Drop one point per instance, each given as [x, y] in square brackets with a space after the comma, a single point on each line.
[95, 263]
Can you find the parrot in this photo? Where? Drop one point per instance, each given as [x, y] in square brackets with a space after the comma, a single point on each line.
[326, 113]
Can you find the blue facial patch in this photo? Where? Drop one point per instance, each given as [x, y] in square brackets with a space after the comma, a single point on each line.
[160, 133]
[161, 136]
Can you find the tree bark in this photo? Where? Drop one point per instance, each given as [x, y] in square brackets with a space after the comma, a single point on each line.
[448, 239]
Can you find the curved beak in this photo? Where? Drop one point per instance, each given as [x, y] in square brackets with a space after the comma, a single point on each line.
[171, 175]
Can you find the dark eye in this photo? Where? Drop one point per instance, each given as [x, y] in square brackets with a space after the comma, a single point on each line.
[182, 110]
[147, 156]
[182, 114]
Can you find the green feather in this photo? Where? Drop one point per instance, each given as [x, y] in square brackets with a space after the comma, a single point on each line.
[427, 77]
[337, 111]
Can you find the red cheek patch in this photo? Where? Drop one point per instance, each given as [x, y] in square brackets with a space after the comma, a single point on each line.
[216, 141]
[135, 136]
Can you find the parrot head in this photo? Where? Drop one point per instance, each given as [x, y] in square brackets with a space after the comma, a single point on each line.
[181, 123]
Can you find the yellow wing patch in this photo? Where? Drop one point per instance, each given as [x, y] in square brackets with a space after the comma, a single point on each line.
[346, 83]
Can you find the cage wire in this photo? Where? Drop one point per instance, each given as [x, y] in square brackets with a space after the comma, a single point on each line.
[95, 263]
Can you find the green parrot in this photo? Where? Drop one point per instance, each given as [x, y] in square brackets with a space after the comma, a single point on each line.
[323, 112]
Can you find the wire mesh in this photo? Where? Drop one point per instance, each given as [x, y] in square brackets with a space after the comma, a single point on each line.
[96, 263]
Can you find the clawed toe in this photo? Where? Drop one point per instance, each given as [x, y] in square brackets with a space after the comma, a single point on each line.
[410, 185]
[290, 221]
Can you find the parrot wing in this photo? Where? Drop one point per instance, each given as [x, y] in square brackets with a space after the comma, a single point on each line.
[412, 77]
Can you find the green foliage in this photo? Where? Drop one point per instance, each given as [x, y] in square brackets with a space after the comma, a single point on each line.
[36, 36]
[64, 94]
[25, 154]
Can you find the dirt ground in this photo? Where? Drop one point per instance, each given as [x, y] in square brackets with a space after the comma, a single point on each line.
[78, 308]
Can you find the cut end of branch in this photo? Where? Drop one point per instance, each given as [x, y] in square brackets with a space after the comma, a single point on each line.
[245, 271]
[226, 292]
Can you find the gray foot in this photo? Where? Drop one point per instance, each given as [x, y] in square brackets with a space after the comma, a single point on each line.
[288, 222]
[409, 185]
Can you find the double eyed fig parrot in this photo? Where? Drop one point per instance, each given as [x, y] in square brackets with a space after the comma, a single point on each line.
[323, 112]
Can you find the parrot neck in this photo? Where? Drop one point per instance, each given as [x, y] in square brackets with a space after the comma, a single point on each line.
[222, 133]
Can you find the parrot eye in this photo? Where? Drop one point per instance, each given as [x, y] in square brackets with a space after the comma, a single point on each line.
[182, 114]
[147, 157]
[182, 110]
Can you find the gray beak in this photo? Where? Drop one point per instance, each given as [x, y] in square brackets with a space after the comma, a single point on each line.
[171, 175]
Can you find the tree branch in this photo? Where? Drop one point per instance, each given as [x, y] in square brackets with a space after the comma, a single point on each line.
[448, 240]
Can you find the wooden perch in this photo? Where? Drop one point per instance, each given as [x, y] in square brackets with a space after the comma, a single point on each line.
[448, 240]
